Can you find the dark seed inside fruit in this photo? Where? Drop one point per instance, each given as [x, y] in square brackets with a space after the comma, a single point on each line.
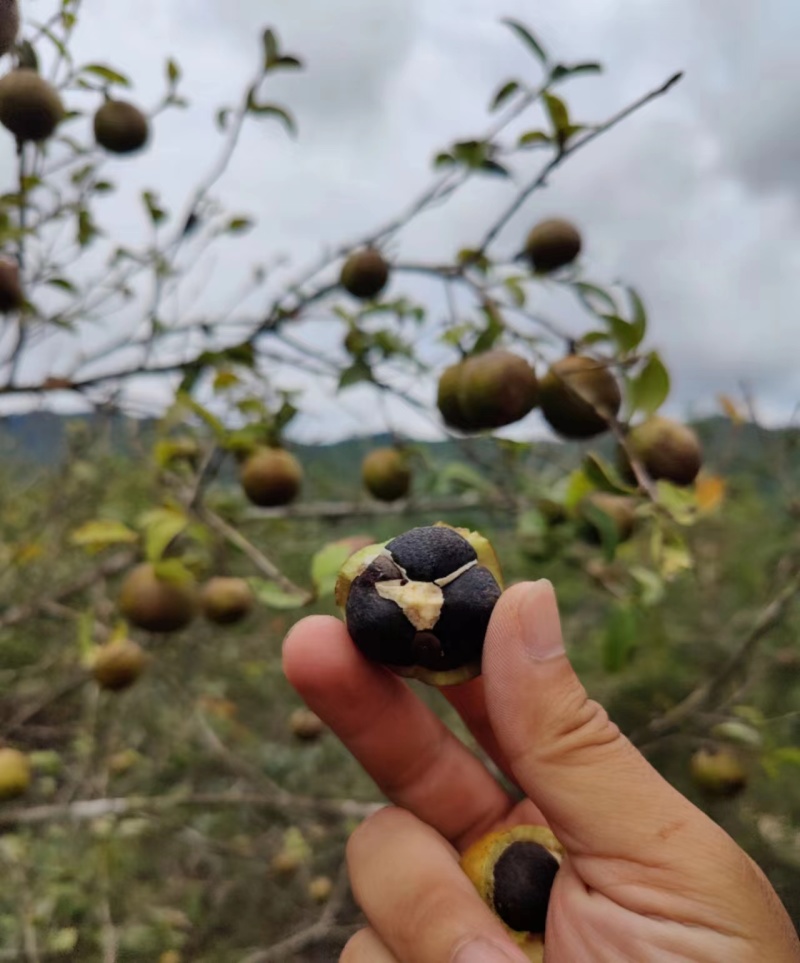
[432, 553]
[523, 879]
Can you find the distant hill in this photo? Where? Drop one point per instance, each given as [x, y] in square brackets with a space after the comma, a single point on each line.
[42, 439]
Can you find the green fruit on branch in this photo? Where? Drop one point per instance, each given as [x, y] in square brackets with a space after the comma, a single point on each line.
[157, 604]
[30, 107]
[226, 601]
[552, 244]
[579, 396]
[365, 274]
[719, 771]
[12, 297]
[421, 603]
[118, 665]
[514, 871]
[272, 477]
[120, 127]
[386, 474]
[620, 509]
[320, 889]
[487, 391]
[306, 725]
[667, 449]
[15, 774]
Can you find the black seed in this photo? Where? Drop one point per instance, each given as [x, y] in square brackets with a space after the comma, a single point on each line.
[427, 651]
[428, 554]
[468, 605]
[523, 879]
[378, 626]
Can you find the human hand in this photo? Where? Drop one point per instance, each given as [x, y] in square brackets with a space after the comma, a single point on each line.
[646, 876]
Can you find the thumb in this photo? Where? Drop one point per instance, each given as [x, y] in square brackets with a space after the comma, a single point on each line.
[597, 792]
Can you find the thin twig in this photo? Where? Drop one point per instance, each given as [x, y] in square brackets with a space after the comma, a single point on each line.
[541, 179]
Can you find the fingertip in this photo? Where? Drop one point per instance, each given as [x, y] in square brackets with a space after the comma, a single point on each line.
[312, 646]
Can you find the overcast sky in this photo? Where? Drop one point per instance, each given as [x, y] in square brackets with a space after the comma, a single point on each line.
[696, 200]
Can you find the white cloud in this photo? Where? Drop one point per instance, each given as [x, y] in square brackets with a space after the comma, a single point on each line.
[695, 200]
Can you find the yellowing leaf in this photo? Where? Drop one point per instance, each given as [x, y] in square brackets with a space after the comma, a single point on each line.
[731, 410]
[27, 552]
[161, 526]
[710, 493]
[100, 533]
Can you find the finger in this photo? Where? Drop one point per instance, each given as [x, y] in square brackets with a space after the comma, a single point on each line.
[412, 756]
[469, 701]
[597, 792]
[407, 880]
[366, 947]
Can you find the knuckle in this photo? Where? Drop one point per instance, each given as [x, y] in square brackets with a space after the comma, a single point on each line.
[581, 728]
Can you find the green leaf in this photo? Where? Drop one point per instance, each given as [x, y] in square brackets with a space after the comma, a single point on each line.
[604, 476]
[738, 733]
[212, 421]
[173, 72]
[527, 38]
[358, 372]
[156, 212]
[516, 290]
[786, 756]
[107, 74]
[651, 585]
[443, 159]
[173, 570]
[239, 225]
[559, 114]
[504, 93]
[222, 117]
[271, 49]
[274, 597]
[560, 71]
[493, 331]
[624, 333]
[272, 110]
[63, 284]
[650, 389]
[533, 138]
[288, 63]
[325, 566]
[639, 313]
[605, 526]
[161, 526]
[620, 638]
[492, 167]
[101, 533]
[589, 294]
[577, 488]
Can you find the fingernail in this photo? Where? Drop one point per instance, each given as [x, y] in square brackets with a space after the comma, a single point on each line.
[482, 951]
[541, 626]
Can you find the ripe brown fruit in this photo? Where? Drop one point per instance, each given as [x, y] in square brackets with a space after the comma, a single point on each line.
[386, 474]
[271, 477]
[225, 601]
[12, 297]
[667, 449]
[306, 725]
[30, 107]
[487, 391]
[579, 396]
[365, 274]
[621, 510]
[513, 870]
[157, 604]
[120, 127]
[719, 771]
[118, 665]
[9, 25]
[15, 774]
[552, 244]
